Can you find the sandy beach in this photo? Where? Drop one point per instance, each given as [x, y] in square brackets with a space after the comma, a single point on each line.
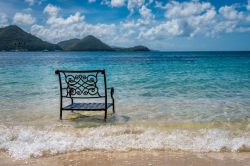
[142, 158]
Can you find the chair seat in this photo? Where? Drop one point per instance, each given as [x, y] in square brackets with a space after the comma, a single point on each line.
[87, 106]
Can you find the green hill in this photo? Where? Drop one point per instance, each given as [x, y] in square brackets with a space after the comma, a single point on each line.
[14, 38]
[135, 48]
[91, 43]
[68, 44]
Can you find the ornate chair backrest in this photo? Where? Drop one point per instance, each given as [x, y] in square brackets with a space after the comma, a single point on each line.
[82, 84]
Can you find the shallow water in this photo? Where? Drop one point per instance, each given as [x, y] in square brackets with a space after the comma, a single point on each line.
[176, 100]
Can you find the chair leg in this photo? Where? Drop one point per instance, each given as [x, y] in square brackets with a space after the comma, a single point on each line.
[105, 116]
[60, 114]
[113, 108]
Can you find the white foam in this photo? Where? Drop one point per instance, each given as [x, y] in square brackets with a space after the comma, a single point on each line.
[24, 142]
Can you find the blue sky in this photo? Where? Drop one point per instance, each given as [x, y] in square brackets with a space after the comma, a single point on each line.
[159, 24]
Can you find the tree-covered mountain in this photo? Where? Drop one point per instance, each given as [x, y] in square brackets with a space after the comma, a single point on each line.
[135, 48]
[91, 43]
[13, 38]
[68, 44]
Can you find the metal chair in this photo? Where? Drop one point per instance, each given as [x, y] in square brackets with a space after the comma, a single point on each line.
[86, 90]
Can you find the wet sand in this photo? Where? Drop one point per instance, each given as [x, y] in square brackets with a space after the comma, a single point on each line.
[141, 158]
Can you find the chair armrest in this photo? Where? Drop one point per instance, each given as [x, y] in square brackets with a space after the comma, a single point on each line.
[112, 91]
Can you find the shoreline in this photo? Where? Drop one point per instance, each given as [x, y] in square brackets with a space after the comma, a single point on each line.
[133, 158]
[24, 142]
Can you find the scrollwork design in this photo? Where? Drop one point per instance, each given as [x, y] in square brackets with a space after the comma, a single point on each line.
[81, 85]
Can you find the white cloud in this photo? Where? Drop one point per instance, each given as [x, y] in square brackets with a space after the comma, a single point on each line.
[164, 30]
[23, 19]
[176, 9]
[182, 19]
[192, 18]
[133, 4]
[27, 10]
[59, 21]
[229, 12]
[248, 5]
[202, 24]
[74, 30]
[150, 2]
[146, 14]
[159, 4]
[225, 26]
[73, 26]
[32, 2]
[117, 3]
[51, 10]
[91, 1]
[244, 29]
[3, 20]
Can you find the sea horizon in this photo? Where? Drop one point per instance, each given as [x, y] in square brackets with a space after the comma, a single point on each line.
[167, 51]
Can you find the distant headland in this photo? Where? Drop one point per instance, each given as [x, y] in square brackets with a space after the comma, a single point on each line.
[13, 38]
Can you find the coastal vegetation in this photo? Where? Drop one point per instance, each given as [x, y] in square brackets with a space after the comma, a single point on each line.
[13, 38]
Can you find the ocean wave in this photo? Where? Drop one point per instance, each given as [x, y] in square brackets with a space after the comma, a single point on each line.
[24, 142]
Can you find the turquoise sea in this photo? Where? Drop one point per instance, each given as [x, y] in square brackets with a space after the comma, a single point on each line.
[188, 101]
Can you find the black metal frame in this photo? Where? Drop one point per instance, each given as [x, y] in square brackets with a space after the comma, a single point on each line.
[74, 92]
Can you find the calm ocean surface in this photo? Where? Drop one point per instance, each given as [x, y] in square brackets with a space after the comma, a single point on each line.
[191, 101]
